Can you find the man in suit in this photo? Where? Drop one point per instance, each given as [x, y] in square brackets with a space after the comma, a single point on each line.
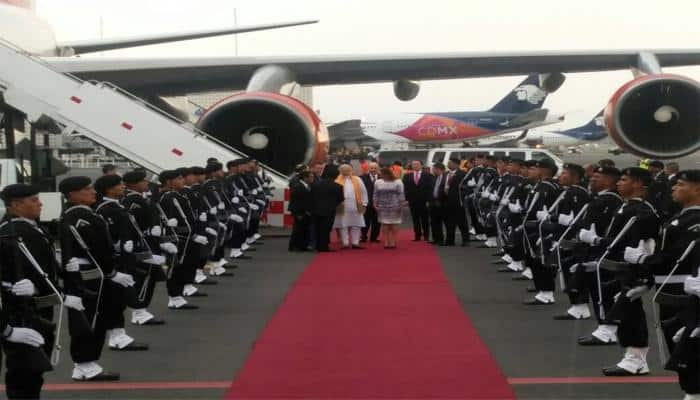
[437, 203]
[300, 204]
[454, 212]
[326, 195]
[371, 222]
[417, 185]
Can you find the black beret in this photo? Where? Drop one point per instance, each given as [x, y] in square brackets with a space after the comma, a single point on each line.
[638, 173]
[106, 182]
[134, 177]
[197, 171]
[690, 175]
[184, 171]
[73, 183]
[167, 175]
[656, 164]
[609, 171]
[213, 167]
[18, 191]
[211, 160]
[575, 168]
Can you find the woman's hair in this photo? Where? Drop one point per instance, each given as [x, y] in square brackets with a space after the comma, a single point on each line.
[387, 174]
[330, 172]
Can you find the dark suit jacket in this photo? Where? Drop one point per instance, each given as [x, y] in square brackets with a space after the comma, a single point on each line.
[369, 185]
[326, 195]
[441, 198]
[300, 200]
[420, 193]
[453, 197]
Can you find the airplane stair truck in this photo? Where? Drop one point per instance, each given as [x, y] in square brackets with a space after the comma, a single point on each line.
[116, 120]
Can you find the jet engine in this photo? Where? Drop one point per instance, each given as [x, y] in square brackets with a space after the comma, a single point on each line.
[656, 116]
[277, 130]
[406, 90]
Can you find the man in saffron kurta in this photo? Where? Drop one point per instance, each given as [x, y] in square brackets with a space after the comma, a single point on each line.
[349, 218]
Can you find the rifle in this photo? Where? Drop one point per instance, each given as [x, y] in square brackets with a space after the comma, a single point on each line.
[85, 248]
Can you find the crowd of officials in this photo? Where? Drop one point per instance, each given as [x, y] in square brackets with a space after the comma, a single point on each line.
[119, 237]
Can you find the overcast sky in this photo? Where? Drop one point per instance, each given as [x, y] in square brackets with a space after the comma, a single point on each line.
[382, 26]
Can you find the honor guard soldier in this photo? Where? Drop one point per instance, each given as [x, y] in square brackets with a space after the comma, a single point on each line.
[150, 272]
[582, 283]
[223, 209]
[635, 223]
[131, 251]
[675, 269]
[518, 206]
[468, 189]
[240, 214]
[29, 274]
[89, 270]
[553, 224]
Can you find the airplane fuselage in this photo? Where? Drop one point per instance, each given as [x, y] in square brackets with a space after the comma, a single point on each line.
[24, 29]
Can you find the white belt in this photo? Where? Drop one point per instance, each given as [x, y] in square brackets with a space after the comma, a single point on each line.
[82, 261]
[671, 279]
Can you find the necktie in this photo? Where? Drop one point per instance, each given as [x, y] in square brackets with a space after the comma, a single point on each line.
[447, 182]
[416, 177]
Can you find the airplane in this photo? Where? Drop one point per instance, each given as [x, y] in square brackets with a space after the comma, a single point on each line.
[653, 115]
[520, 109]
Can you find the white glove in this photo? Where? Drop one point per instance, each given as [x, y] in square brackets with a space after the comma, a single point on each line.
[254, 192]
[203, 217]
[240, 192]
[636, 292]
[211, 231]
[123, 279]
[649, 246]
[261, 202]
[635, 255]
[692, 286]
[678, 335]
[504, 201]
[235, 200]
[588, 235]
[573, 268]
[212, 211]
[243, 210]
[25, 287]
[515, 208]
[471, 182]
[73, 302]
[169, 247]
[485, 194]
[73, 265]
[221, 206]
[254, 207]
[565, 219]
[695, 333]
[542, 215]
[222, 226]
[493, 197]
[172, 222]
[156, 231]
[155, 260]
[200, 240]
[236, 218]
[129, 246]
[26, 336]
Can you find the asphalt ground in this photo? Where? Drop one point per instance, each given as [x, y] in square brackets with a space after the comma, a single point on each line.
[198, 353]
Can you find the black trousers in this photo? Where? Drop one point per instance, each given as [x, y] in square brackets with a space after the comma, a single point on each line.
[610, 287]
[22, 384]
[420, 218]
[632, 330]
[371, 224]
[86, 343]
[300, 233]
[471, 209]
[146, 278]
[437, 223]
[456, 218]
[543, 276]
[324, 225]
[183, 272]
[24, 376]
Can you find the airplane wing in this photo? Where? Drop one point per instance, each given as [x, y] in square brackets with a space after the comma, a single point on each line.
[89, 46]
[180, 75]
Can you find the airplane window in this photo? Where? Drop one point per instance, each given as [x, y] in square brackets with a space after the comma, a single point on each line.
[438, 157]
[517, 154]
[499, 153]
[538, 155]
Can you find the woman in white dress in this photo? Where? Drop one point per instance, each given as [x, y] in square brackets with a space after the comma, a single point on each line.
[388, 200]
[350, 215]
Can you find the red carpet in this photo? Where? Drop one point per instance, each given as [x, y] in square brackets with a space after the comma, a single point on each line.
[371, 323]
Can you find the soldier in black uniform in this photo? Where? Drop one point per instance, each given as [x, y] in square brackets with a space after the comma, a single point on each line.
[240, 210]
[89, 271]
[498, 189]
[28, 294]
[629, 284]
[581, 282]
[679, 317]
[468, 189]
[518, 206]
[148, 219]
[553, 224]
[180, 217]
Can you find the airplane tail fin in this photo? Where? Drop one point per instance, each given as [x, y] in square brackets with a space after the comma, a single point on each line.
[28, 4]
[596, 122]
[527, 96]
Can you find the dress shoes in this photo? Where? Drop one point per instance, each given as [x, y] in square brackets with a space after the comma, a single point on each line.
[593, 341]
[185, 307]
[243, 257]
[153, 321]
[520, 278]
[133, 346]
[617, 371]
[568, 317]
[537, 302]
[103, 376]
[505, 269]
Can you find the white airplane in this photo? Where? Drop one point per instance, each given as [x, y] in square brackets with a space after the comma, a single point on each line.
[653, 115]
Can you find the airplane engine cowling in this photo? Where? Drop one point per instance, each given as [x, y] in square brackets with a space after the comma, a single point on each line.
[277, 130]
[656, 116]
[406, 90]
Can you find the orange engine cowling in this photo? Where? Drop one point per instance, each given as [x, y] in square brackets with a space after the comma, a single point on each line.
[277, 130]
[656, 116]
